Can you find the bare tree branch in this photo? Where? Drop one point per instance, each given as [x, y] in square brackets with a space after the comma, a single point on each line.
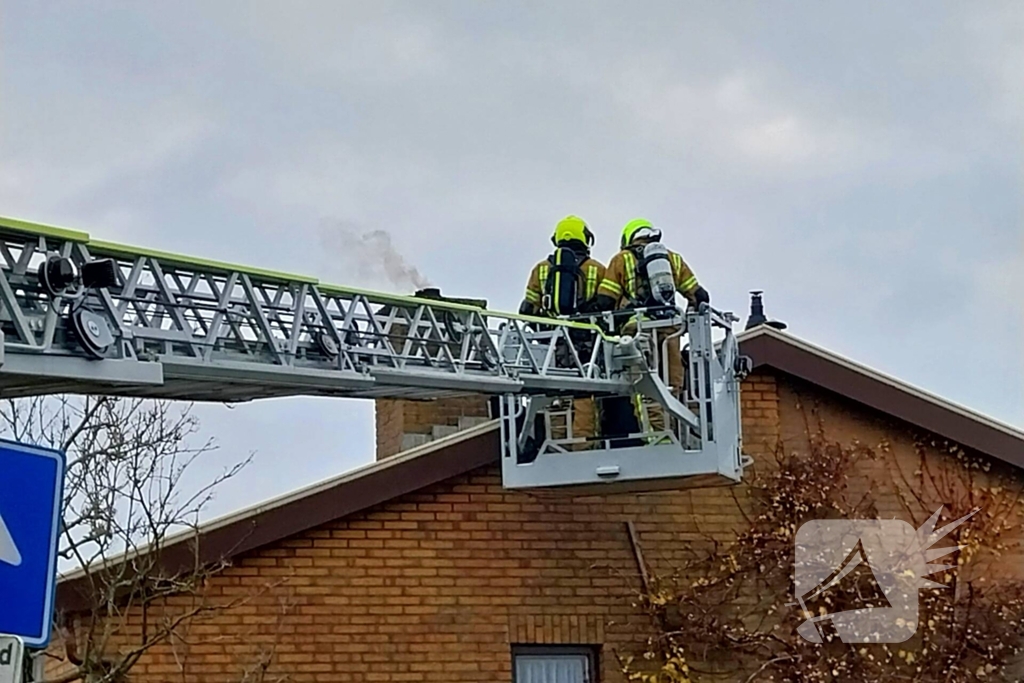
[127, 491]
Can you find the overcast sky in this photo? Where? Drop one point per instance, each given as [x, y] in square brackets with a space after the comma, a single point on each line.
[861, 162]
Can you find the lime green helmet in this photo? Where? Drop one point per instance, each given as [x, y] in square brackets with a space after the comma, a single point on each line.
[572, 228]
[639, 228]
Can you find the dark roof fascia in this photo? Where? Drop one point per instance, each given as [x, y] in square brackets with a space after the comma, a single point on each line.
[793, 357]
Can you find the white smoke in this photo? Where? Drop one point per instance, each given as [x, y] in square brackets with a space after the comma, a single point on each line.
[368, 257]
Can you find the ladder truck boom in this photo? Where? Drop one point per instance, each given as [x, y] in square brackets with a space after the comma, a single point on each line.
[87, 316]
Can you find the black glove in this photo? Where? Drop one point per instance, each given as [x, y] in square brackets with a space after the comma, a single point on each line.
[701, 296]
[601, 302]
[526, 308]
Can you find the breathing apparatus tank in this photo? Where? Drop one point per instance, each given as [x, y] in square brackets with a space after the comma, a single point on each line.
[659, 274]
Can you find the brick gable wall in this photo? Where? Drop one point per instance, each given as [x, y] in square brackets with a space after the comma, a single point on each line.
[438, 585]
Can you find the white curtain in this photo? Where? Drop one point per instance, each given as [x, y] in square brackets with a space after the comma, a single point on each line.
[552, 669]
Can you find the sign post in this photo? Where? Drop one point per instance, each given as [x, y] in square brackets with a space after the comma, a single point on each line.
[12, 659]
[31, 489]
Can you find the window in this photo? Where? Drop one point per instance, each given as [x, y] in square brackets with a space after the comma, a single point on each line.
[553, 664]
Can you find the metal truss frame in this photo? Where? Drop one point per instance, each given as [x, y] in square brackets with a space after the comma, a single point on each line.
[202, 330]
[176, 327]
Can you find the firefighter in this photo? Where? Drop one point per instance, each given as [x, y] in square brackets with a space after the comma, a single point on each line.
[565, 284]
[644, 276]
[626, 285]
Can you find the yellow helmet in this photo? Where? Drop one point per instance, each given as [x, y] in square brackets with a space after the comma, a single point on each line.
[572, 228]
[639, 228]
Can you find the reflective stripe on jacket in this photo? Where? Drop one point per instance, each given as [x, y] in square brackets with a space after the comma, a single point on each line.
[591, 274]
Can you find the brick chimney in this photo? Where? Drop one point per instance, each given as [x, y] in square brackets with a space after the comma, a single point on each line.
[403, 424]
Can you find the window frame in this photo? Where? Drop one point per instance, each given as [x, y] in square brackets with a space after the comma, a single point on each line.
[591, 652]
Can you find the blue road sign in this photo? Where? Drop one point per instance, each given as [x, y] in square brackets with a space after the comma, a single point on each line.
[31, 487]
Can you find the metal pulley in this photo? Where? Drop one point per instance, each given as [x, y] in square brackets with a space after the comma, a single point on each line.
[325, 343]
[92, 331]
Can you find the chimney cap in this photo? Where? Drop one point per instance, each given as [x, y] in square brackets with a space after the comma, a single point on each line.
[757, 316]
[434, 294]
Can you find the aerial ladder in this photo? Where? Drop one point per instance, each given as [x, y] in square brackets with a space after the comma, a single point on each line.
[85, 316]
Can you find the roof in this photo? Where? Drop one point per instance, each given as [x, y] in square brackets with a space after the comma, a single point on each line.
[362, 488]
[794, 356]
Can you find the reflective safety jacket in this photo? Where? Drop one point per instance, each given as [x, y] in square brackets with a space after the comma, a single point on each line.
[624, 282]
[591, 273]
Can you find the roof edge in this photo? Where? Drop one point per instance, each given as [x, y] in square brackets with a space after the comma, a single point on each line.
[879, 376]
[877, 391]
[349, 477]
[352, 475]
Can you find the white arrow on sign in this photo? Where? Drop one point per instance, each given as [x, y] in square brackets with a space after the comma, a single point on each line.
[9, 552]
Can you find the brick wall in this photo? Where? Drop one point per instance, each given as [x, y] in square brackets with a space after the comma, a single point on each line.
[759, 406]
[438, 585]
